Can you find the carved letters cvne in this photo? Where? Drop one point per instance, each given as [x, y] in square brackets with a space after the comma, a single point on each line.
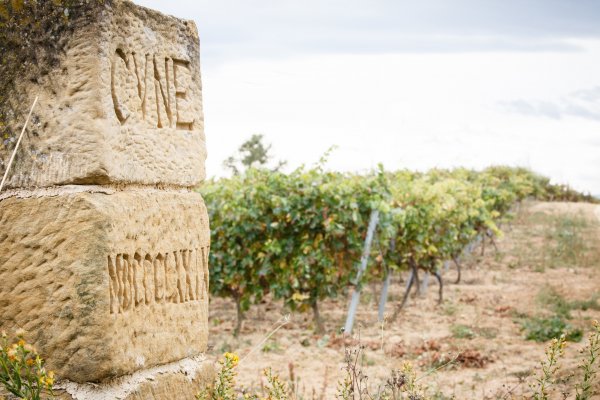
[152, 88]
[143, 279]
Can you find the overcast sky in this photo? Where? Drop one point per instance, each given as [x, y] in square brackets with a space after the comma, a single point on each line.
[411, 84]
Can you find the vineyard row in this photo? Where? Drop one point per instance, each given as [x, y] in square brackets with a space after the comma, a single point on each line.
[299, 236]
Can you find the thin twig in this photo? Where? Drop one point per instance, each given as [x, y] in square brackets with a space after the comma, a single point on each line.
[286, 320]
[12, 157]
[433, 370]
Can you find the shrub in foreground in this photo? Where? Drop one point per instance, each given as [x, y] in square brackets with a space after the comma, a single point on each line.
[22, 371]
[405, 384]
[23, 375]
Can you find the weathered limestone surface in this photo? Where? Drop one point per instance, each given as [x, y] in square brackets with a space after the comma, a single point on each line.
[180, 380]
[106, 282]
[121, 104]
[104, 246]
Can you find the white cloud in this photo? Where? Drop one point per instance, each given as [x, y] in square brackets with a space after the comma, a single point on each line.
[581, 103]
[415, 111]
[403, 108]
[232, 29]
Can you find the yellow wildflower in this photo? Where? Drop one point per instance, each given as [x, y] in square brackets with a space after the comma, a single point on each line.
[12, 353]
[233, 358]
[48, 380]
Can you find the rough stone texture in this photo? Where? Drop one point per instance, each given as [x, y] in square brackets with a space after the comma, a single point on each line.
[121, 102]
[108, 282]
[180, 380]
[103, 247]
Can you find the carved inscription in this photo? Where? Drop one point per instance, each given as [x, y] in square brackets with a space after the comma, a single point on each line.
[152, 88]
[143, 279]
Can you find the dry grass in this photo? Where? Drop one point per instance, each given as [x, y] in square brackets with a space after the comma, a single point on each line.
[477, 331]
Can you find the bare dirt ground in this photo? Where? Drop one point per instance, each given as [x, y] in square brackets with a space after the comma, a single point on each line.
[549, 251]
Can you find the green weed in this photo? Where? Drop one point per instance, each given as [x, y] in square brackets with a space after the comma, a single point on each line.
[272, 347]
[568, 240]
[554, 301]
[590, 304]
[488, 333]
[462, 332]
[549, 298]
[450, 308]
[542, 329]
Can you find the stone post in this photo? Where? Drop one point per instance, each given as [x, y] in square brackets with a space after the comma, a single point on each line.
[103, 241]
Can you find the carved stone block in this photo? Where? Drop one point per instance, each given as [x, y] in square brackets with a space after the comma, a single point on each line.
[107, 282]
[119, 102]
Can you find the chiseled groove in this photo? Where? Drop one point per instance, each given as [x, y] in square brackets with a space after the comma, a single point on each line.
[143, 279]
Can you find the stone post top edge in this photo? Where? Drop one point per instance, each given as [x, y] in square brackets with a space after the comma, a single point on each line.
[134, 4]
